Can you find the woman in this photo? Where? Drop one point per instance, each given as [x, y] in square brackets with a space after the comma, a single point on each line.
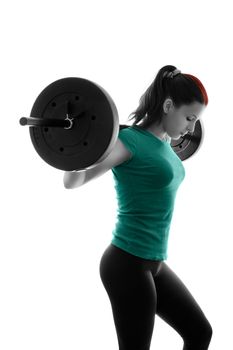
[147, 174]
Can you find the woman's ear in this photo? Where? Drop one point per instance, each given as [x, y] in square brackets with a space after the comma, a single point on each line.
[167, 105]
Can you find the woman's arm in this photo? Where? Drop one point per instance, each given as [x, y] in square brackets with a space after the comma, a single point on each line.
[118, 155]
[74, 179]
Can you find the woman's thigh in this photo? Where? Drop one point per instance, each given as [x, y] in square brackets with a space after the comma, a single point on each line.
[177, 307]
[132, 293]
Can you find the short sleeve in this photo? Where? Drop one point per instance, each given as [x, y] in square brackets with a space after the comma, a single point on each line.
[128, 138]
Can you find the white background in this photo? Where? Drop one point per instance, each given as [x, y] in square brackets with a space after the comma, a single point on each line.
[52, 239]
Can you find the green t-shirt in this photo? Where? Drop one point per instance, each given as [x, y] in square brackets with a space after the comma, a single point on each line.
[146, 186]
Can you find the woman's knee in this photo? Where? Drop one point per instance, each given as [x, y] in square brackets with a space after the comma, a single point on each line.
[206, 332]
[200, 337]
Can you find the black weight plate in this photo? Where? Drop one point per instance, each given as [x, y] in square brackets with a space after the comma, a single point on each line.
[186, 146]
[95, 124]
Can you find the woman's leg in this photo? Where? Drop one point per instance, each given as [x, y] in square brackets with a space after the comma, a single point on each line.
[132, 293]
[177, 307]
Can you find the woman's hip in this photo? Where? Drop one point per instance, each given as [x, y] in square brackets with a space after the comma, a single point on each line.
[117, 262]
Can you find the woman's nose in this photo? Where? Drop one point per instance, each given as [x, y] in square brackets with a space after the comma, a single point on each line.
[191, 129]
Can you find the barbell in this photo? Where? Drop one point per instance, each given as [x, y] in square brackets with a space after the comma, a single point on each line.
[74, 124]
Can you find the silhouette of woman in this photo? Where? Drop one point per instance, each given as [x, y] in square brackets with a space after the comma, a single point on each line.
[147, 174]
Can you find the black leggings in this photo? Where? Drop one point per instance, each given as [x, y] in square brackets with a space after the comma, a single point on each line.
[138, 289]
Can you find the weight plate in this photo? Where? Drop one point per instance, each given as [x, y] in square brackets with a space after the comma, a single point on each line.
[95, 124]
[186, 146]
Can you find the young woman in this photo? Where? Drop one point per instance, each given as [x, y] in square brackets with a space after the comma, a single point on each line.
[147, 174]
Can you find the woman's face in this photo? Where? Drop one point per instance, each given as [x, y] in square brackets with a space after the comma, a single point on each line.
[179, 121]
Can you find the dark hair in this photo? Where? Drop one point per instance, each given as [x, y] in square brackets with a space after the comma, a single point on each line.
[182, 89]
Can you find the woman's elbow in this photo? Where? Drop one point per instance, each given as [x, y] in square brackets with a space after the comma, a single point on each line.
[73, 179]
[67, 187]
